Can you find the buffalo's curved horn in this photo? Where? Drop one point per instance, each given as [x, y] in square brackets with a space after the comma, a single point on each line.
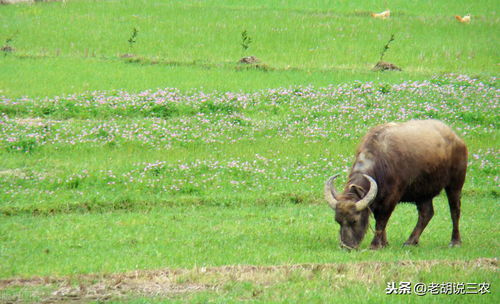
[370, 196]
[330, 192]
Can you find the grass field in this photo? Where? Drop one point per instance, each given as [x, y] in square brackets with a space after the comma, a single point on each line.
[77, 46]
[178, 175]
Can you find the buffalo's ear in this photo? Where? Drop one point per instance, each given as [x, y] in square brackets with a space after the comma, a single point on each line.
[358, 190]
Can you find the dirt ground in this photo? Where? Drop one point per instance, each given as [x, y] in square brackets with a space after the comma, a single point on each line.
[170, 282]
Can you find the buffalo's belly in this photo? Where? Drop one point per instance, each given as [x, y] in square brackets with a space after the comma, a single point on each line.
[424, 188]
[412, 197]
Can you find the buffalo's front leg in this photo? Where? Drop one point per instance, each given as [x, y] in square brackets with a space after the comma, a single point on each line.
[380, 239]
[381, 217]
[425, 214]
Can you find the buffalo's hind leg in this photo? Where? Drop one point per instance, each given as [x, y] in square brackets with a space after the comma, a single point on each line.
[454, 201]
[425, 214]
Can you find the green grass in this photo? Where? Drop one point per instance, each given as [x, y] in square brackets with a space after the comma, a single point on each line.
[103, 171]
[184, 237]
[74, 47]
[75, 244]
[106, 151]
[108, 74]
[106, 183]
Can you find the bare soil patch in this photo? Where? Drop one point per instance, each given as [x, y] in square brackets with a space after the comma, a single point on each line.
[249, 60]
[385, 66]
[170, 282]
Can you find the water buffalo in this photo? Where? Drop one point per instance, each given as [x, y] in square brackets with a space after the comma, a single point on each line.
[399, 162]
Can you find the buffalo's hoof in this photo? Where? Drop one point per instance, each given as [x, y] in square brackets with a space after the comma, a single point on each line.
[377, 246]
[346, 247]
[406, 244]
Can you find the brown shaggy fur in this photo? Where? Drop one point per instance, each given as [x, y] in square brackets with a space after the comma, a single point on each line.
[411, 162]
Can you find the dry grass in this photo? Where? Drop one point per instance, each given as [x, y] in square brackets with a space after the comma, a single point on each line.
[171, 282]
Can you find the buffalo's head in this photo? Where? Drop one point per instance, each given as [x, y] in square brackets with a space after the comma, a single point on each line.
[351, 210]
